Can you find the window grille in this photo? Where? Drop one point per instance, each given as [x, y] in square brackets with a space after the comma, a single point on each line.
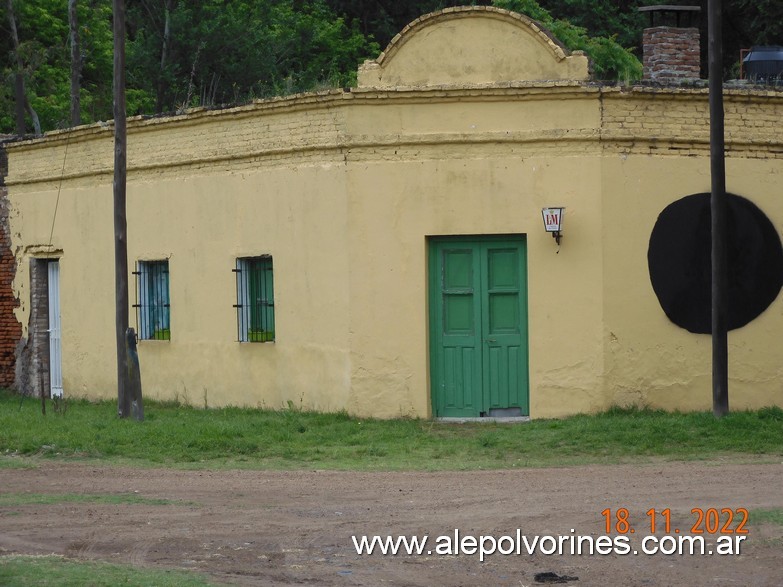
[255, 299]
[152, 300]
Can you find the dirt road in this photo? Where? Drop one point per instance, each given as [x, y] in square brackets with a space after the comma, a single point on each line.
[288, 528]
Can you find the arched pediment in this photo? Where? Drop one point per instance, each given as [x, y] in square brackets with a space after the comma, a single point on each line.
[471, 45]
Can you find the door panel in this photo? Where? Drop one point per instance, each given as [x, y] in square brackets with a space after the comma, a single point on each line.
[503, 324]
[460, 379]
[478, 325]
[458, 312]
[503, 313]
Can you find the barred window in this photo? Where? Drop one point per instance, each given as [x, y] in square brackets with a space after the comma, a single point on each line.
[152, 300]
[255, 299]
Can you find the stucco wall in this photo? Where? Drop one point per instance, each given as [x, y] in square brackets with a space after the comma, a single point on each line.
[656, 150]
[346, 216]
[471, 45]
[346, 226]
[345, 188]
[201, 217]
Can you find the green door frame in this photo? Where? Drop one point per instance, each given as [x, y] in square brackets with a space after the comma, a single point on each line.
[478, 324]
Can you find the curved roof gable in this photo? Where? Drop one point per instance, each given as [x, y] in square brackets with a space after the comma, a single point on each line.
[471, 45]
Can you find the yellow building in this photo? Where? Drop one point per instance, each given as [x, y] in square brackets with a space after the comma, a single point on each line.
[381, 250]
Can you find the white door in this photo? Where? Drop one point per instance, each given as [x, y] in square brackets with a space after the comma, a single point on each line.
[55, 349]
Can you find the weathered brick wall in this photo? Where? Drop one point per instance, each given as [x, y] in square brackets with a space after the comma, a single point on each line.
[32, 365]
[321, 129]
[192, 142]
[10, 329]
[677, 121]
[671, 53]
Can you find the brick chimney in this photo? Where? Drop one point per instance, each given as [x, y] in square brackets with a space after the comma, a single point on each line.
[671, 52]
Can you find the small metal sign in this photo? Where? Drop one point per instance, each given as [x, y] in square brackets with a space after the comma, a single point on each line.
[553, 219]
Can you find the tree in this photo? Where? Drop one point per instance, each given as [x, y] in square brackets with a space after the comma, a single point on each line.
[610, 60]
[20, 95]
[616, 19]
[76, 63]
[227, 52]
[168, 6]
[382, 19]
[761, 21]
[44, 35]
[747, 24]
[183, 53]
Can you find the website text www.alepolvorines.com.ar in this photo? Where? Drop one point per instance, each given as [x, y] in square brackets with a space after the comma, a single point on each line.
[519, 544]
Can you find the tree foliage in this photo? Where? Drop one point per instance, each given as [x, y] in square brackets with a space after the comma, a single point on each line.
[184, 53]
[759, 22]
[611, 61]
[618, 19]
[228, 52]
[382, 19]
[218, 51]
[45, 53]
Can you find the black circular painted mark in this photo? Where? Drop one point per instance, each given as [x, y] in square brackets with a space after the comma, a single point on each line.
[679, 258]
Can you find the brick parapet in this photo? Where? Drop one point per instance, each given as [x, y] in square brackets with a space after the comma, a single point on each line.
[330, 127]
[654, 120]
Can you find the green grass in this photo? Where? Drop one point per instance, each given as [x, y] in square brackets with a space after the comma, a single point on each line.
[770, 516]
[52, 570]
[183, 436]
[10, 499]
[15, 464]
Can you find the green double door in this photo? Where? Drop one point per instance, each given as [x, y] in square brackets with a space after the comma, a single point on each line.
[478, 326]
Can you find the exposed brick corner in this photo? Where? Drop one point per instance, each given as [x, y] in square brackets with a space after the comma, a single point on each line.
[10, 328]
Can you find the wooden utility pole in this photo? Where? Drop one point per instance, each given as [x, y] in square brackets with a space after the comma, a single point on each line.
[133, 385]
[120, 222]
[720, 360]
